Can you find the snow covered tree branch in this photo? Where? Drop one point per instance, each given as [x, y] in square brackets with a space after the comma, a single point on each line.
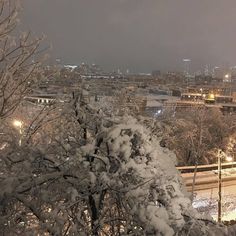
[20, 58]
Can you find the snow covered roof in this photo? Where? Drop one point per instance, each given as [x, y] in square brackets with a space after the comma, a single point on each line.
[161, 97]
[157, 100]
[153, 103]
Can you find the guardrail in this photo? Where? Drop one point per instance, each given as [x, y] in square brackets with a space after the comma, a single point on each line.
[190, 169]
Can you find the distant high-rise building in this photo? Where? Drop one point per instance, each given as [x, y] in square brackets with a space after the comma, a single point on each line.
[222, 73]
[227, 77]
[186, 64]
[58, 63]
[233, 74]
[84, 68]
[233, 79]
[218, 72]
[95, 69]
[156, 73]
[207, 70]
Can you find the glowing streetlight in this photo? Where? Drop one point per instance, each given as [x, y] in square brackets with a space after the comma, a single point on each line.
[19, 124]
[211, 96]
[229, 158]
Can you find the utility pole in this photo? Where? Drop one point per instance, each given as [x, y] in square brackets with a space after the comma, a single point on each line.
[219, 185]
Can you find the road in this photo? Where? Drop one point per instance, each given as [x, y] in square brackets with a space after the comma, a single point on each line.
[206, 180]
[206, 190]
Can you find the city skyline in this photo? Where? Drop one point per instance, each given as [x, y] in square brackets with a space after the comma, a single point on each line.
[135, 35]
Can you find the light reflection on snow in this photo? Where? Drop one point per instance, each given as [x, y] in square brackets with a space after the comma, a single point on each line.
[210, 206]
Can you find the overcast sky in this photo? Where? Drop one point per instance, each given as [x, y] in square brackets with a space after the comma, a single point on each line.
[141, 35]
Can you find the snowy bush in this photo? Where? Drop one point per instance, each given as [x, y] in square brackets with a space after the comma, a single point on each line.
[115, 181]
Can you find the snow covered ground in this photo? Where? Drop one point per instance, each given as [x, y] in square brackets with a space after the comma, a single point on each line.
[210, 206]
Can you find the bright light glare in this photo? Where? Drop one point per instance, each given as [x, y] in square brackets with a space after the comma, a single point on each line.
[17, 123]
[229, 158]
[3, 146]
[211, 96]
[158, 112]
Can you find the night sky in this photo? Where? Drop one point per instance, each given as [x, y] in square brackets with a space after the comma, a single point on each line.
[141, 35]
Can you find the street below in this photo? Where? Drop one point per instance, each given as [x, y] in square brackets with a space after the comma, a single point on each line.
[206, 192]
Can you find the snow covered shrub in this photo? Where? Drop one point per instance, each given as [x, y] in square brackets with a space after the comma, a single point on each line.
[119, 182]
[97, 176]
[143, 192]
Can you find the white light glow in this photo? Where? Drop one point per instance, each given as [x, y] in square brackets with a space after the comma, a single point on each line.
[17, 123]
